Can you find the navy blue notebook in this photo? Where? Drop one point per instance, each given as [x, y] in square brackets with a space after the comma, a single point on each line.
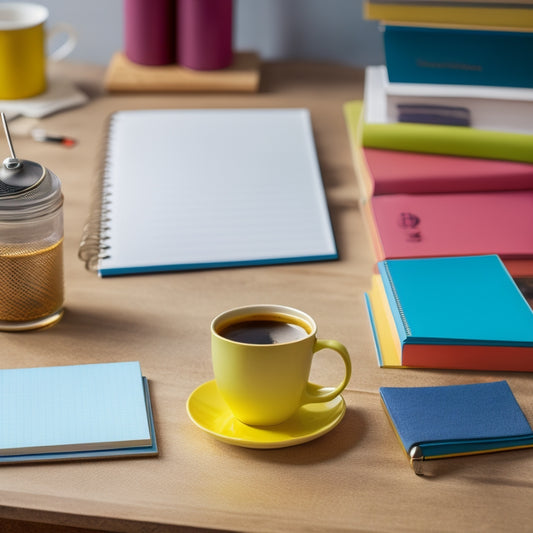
[435, 422]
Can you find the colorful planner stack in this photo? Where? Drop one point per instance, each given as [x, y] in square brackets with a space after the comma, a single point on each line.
[431, 205]
[441, 145]
[441, 148]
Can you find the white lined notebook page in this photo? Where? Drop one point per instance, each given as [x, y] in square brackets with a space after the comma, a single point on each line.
[211, 188]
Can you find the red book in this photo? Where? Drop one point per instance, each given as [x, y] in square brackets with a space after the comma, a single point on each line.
[436, 225]
[391, 172]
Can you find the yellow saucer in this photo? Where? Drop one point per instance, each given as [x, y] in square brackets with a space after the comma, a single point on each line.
[209, 412]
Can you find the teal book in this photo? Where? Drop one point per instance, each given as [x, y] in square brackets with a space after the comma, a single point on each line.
[458, 56]
[453, 420]
[458, 312]
[75, 412]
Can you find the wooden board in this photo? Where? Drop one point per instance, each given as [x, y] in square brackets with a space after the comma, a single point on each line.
[125, 76]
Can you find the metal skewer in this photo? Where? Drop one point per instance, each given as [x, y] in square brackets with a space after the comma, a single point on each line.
[10, 162]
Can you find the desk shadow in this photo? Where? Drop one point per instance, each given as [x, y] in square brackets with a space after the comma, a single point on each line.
[82, 323]
[297, 77]
[338, 441]
[495, 468]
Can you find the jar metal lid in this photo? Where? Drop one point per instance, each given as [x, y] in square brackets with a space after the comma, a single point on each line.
[27, 188]
[21, 178]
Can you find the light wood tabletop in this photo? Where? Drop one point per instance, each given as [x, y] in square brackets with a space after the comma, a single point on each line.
[354, 478]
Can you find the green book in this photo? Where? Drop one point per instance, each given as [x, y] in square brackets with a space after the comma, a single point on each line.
[378, 132]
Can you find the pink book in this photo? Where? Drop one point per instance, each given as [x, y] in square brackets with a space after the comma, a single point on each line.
[411, 172]
[431, 225]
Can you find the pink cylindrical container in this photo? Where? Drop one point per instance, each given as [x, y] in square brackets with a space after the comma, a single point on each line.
[204, 34]
[149, 31]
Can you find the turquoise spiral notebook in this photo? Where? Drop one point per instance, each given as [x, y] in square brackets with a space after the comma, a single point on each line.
[452, 420]
[458, 312]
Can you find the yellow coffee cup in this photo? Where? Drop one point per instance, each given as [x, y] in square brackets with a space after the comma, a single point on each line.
[22, 49]
[262, 357]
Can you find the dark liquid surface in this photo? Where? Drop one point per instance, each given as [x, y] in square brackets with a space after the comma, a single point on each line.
[263, 332]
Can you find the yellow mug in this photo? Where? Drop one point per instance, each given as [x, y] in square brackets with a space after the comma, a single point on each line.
[262, 357]
[22, 49]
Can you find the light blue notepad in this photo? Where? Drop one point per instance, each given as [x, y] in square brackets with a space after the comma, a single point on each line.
[78, 411]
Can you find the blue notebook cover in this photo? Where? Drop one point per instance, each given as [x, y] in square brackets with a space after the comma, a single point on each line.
[74, 412]
[455, 419]
[458, 56]
[470, 300]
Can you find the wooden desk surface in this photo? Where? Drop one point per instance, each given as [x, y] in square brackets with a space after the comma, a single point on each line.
[355, 478]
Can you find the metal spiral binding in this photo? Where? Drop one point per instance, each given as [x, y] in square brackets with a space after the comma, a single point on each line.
[397, 301]
[93, 245]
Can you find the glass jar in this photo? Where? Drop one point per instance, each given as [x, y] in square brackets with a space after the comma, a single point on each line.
[31, 246]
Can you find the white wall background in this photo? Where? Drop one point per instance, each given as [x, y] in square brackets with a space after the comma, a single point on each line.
[319, 30]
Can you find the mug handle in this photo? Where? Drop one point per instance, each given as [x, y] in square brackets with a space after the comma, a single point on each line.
[66, 48]
[314, 394]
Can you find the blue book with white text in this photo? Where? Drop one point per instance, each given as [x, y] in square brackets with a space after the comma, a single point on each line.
[458, 56]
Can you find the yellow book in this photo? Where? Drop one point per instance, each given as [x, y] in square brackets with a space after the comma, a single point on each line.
[387, 348]
[439, 14]
[353, 113]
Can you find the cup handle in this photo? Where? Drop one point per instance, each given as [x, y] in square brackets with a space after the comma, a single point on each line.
[66, 48]
[314, 394]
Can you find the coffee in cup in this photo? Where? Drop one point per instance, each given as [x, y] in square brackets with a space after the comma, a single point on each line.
[265, 329]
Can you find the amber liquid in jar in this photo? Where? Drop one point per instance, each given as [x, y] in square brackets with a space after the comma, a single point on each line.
[32, 283]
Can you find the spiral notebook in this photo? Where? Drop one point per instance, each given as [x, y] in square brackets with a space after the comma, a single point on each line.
[186, 189]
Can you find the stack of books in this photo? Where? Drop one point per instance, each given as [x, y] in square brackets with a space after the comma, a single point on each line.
[441, 145]
[418, 204]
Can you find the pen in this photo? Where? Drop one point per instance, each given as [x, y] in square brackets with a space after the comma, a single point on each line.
[41, 136]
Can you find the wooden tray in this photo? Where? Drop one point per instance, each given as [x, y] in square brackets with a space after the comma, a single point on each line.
[125, 76]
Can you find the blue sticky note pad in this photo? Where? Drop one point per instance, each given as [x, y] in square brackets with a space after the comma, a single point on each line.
[80, 410]
[457, 419]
